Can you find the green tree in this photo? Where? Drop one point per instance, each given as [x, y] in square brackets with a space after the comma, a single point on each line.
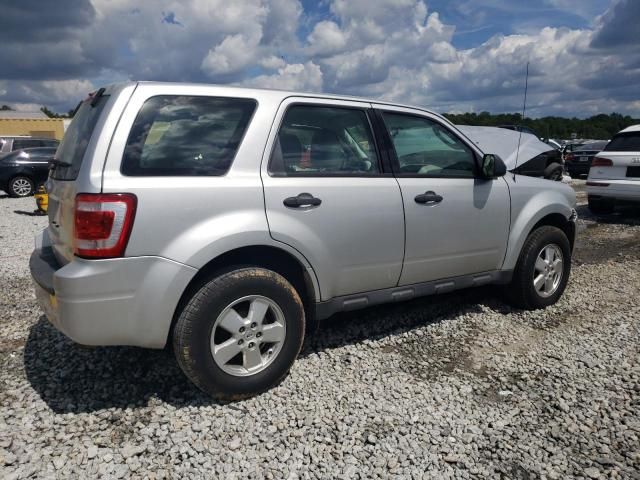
[602, 126]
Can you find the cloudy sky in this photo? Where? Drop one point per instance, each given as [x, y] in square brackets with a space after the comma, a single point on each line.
[467, 55]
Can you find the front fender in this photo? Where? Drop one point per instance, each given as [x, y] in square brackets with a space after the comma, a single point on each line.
[527, 209]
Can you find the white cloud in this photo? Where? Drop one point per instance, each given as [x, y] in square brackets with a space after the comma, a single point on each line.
[394, 49]
[326, 38]
[232, 55]
[297, 76]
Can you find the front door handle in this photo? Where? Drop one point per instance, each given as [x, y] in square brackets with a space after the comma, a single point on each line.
[428, 197]
[302, 200]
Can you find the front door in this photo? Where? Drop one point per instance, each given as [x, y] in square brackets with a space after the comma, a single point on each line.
[326, 195]
[456, 223]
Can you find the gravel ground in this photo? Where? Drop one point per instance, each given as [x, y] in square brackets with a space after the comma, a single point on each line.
[455, 386]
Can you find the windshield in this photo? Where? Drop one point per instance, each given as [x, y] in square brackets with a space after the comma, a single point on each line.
[76, 139]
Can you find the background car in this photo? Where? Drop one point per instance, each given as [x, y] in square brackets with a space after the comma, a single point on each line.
[614, 176]
[10, 144]
[524, 153]
[22, 171]
[578, 162]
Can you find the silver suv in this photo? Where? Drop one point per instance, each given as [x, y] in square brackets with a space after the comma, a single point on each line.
[229, 221]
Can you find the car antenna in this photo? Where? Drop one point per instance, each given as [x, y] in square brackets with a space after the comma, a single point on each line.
[524, 109]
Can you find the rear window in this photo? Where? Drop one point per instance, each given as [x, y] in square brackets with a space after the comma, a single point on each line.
[624, 142]
[186, 136]
[76, 139]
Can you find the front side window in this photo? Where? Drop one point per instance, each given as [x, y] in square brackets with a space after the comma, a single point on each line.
[427, 149]
[324, 141]
[186, 136]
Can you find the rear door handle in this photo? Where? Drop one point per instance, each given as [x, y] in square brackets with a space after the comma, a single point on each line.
[428, 197]
[302, 200]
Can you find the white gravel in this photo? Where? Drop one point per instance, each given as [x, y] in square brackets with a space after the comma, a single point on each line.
[18, 225]
[456, 386]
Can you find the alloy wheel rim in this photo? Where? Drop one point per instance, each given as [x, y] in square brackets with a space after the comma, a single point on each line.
[21, 186]
[548, 270]
[248, 335]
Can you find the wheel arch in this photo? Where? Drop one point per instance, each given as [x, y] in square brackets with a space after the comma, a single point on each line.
[265, 256]
[560, 221]
[547, 208]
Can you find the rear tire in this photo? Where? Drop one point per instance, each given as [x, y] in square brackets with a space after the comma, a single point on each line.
[240, 333]
[600, 206]
[553, 172]
[538, 283]
[21, 186]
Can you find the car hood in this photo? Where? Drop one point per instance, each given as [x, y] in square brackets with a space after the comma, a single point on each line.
[504, 143]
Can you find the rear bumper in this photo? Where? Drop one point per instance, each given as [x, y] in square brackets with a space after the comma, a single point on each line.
[626, 190]
[578, 168]
[122, 301]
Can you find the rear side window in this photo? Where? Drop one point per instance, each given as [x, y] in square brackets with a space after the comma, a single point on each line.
[624, 142]
[76, 138]
[324, 141]
[186, 136]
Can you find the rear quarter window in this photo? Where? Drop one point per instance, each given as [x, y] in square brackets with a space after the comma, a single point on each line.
[624, 142]
[76, 139]
[186, 136]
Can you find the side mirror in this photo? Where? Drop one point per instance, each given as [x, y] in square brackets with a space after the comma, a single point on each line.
[493, 166]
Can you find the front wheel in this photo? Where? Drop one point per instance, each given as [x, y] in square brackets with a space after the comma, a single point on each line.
[21, 187]
[240, 333]
[553, 172]
[542, 271]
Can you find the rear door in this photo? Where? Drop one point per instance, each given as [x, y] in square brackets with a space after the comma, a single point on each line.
[456, 223]
[39, 163]
[328, 195]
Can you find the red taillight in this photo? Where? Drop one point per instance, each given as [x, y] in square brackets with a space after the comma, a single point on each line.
[568, 157]
[601, 162]
[103, 224]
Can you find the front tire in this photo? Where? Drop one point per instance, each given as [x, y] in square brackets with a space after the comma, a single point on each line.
[21, 187]
[542, 271]
[553, 172]
[240, 333]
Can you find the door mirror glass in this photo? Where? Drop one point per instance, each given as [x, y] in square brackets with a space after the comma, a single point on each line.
[493, 166]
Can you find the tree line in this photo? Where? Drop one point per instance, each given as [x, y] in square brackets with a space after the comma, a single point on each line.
[601, 127]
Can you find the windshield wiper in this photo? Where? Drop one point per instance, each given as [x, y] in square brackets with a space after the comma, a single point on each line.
[58, 163]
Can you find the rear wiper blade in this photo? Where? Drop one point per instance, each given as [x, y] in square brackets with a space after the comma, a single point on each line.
[96, 96]
[54, 162]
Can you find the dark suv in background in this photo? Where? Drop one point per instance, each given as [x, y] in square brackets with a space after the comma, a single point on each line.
[22, 171]
[10, 144]
[578, 162]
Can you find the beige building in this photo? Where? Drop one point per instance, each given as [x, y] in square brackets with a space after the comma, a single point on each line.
[35, 124]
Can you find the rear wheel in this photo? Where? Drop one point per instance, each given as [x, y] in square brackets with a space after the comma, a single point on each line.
[542, 271]
[601, 206]
[21, 187]
[240, 333]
